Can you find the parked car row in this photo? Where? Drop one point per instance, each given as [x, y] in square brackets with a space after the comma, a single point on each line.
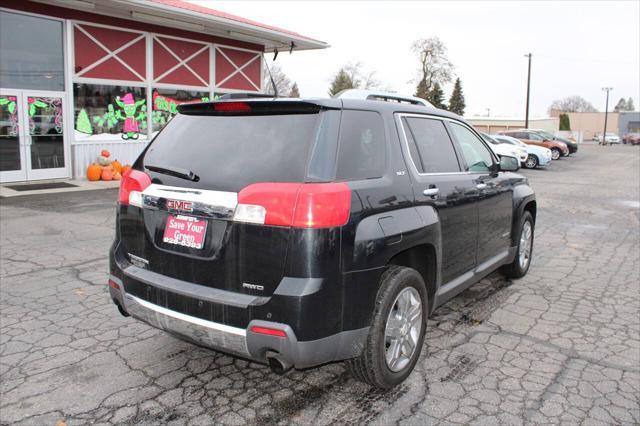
[533, 147]
[536, 155]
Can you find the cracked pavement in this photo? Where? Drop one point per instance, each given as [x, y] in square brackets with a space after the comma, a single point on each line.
[561, 345]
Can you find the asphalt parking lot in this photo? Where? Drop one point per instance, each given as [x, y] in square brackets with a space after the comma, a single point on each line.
[561, 345]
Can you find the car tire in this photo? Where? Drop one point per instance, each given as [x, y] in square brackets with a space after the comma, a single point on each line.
[400, 287]
[555, 153]
[531, 162]
[522, 259]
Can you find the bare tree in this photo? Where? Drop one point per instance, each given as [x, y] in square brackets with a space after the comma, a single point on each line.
[282, 82]
[434, 66]
[353, 76]
[572, 104]
[361, 78]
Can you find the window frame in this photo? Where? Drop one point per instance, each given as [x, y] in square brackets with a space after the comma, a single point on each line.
[493, 168]
[149, 82]
[456, 146]
[387, 152]
[403, 119]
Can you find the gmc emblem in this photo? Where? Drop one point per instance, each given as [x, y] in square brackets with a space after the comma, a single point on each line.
[185, 206]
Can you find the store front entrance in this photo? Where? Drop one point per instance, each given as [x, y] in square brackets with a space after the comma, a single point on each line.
[32, 135]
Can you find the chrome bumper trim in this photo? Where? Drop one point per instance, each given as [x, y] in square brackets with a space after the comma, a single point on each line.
[207, 333]
[204, 203]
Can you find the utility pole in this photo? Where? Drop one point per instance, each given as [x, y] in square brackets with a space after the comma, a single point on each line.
[606, 108]
[526, 116]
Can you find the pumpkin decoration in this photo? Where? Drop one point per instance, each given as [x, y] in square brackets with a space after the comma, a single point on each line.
[117, 167]
[104, 161]
[106, 174]
[125, 168]
[94, 172]
[117, 176]
[105, 153]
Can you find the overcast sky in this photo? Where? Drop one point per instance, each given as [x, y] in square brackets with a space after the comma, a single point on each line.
[578, 46]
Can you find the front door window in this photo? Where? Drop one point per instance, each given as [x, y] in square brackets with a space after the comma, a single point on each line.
[32, 136]
[9, 133]
[45, 132]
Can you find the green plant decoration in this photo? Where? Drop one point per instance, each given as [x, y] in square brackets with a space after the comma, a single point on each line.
[11, 104]
[83, 124]
[108, 120]
[35, 103]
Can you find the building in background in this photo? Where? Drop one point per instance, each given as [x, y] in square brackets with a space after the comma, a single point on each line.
[492, 125]
[588, 124]
[78, 76]
[628, 122]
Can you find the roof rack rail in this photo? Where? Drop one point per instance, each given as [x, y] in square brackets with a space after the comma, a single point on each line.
[245, 95]
[374, 95]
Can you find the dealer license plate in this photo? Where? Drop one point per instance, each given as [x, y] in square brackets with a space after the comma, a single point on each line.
[185, 231]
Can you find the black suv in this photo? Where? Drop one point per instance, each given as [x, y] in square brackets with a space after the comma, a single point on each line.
[300, 232]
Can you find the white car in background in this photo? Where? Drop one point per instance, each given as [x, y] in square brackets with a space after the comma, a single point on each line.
[501, 149]
[610, 138]
[536, 155]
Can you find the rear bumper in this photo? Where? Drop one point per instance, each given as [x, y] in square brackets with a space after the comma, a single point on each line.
[244, 342]
[231, 338]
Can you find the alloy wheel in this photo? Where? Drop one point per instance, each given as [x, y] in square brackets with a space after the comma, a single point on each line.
[531, 162]
[555, 154]
[524, 250]
[402, 330]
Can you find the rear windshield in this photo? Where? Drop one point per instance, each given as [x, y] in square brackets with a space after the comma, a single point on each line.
[231, 152]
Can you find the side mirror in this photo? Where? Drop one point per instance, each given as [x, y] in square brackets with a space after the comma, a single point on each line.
[509, 164]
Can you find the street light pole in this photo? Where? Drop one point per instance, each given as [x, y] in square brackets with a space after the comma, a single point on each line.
[526, 116]
[606, 108]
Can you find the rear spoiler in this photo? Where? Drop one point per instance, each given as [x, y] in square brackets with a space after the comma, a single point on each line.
[246, 95]
[251, 107]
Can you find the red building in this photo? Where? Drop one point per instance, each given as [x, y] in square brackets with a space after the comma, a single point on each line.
[77, 76]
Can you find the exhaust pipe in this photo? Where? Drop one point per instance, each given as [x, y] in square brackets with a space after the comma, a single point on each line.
[277, 363]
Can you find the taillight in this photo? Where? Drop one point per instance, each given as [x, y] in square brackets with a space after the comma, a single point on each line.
[131, 186]
[302, 205]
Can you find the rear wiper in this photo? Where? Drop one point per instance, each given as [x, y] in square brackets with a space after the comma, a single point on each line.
[175, 171]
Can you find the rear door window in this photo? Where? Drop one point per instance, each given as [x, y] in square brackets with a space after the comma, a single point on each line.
[476, 154]
[231, 152]
[430, 146]
[362, 147]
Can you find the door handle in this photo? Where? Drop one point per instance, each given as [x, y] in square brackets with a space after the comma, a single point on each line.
[481, 186]
[431, 192]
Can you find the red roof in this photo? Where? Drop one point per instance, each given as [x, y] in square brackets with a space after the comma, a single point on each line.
[181, 4]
